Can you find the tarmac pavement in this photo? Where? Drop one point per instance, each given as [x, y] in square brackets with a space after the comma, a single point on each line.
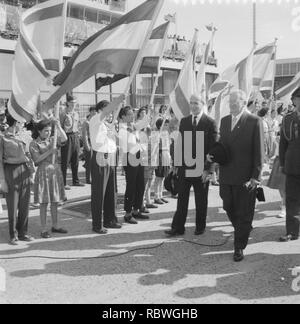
[158, 269]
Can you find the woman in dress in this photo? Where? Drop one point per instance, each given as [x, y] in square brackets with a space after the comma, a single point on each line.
[48, 182]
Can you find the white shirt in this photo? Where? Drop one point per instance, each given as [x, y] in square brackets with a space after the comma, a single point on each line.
[129, 141]
[199, 116]
[103, 138]
[236, 119]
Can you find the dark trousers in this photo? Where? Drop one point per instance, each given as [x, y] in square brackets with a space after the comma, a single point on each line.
[103, 194]
[201, 200]
[70, 154]
[17, 177]
[135, 187]
[87, 158]
[292, 205]
[239, 204]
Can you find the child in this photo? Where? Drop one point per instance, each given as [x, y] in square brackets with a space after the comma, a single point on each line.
[48, 182]
[164, 160]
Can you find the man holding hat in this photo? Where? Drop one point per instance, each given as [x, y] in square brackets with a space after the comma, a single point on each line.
[289, 155]
[70, 152]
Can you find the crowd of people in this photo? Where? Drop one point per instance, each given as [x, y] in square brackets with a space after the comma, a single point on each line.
[147, 145]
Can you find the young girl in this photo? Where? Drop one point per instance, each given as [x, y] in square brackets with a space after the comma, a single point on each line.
[48, 182]
[164, 160]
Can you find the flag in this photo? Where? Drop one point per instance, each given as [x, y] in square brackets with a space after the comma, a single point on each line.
[38, 52]
[186, 83]
[264, 67]
[108, 80]
[263, 71]
[154, 50]
[284, 93]
[112, 50]
[235, 77]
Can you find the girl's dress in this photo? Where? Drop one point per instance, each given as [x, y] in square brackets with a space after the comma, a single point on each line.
[164, 158]
[48, 182]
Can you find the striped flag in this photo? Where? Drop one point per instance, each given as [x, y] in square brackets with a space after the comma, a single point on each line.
[236, 77]
[154, 50]
[264, 67]
[38, 53]
[284, 93]
[186, 83]
[112, 50]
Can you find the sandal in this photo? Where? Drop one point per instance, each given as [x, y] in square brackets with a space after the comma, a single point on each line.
[45, 235]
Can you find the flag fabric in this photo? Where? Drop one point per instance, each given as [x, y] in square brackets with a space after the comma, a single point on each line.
[284, 93]
[264, 67]
[236, 77]
[108, 80]
[186, 83]
[263, 72]
[38, 52]
[154, 50]
[112, 50]
[171, 18]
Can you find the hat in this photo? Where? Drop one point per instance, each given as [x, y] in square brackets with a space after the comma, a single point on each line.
[171, 183]
[70, 98]
[219, 153]
[2, 110]
[296, 93]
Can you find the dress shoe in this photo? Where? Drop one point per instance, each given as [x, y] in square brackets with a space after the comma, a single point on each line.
[59, 230]
[164, 200]
[144, 210]
[78, 184]
[100, 231]
[288, 238]
[113, 226]
[26, 238]
[158, 202]
[140, 216]
[173, 232]
[13, 241]
[238, 255]
[45, 235]
[151, 206]
[67, 188]
[130, 220]
[199, 232]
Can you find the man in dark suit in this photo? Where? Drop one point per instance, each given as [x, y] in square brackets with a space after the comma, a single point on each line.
[289, 155]
[191, 151]
[242, 135]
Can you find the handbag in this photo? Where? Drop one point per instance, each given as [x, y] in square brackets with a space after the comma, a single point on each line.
[260, 194]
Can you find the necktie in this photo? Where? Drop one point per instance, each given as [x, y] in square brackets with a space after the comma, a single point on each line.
[234, 122]
[195, 122]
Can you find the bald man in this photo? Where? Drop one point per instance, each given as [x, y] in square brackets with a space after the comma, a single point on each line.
[242, 134]
[191, 127]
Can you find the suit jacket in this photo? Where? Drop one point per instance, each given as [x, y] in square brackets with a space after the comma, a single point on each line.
[206, 125]
[289, 147]
[245, 147]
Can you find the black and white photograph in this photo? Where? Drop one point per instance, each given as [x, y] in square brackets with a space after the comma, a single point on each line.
[149, 155]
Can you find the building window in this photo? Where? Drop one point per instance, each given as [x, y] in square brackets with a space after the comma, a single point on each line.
[90, 15]
[279, 69]
[293, 68]
[76, 12]
[103, 19]
[286, 69]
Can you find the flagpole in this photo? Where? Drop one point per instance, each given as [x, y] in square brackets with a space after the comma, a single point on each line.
[61, 58]
[275, 55]
[138, 60]
[159, 65]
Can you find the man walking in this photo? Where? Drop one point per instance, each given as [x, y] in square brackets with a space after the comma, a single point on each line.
[197, 122]
[242, 134]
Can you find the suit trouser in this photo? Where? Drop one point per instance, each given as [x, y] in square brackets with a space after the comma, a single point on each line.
[135, 187]
[87, 158]
[292, 205]
[103, 193]
[201, 201]
[17, 177]
[70, 154]
[239, 203]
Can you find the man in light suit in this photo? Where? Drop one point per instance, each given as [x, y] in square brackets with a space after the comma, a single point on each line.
[242, 135]
[188, 175]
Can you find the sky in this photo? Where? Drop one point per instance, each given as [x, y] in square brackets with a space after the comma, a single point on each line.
[234, 21]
